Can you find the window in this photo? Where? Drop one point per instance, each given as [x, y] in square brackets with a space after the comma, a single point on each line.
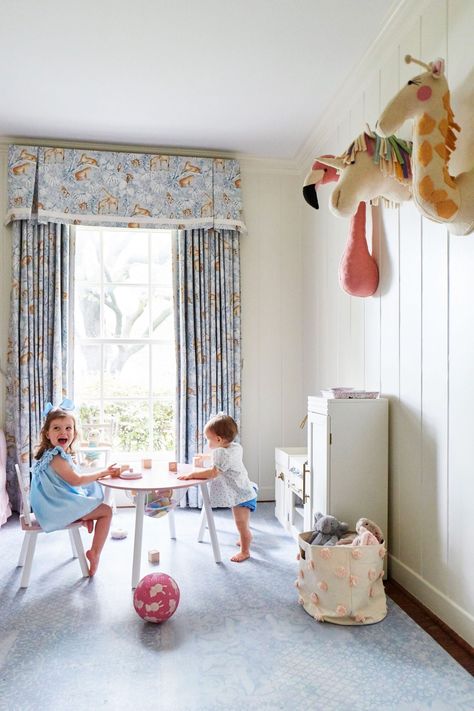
[124, 336]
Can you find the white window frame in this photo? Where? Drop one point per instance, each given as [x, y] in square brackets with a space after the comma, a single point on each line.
[102, 341]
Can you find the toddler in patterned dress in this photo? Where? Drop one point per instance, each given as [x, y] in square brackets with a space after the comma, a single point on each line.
[59, 494]
[229, 484]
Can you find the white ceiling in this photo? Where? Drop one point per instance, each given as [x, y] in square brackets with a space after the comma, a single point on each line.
[246, 76]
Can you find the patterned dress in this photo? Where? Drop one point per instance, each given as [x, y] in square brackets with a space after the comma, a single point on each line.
[56, 503]
[233, 486]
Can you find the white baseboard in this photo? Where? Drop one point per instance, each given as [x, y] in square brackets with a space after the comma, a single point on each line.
[266, 493]
[458, 619]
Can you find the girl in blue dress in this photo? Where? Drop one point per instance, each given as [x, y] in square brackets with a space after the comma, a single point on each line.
[61, 495]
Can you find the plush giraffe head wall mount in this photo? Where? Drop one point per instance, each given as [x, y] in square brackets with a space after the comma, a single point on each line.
[437, 194]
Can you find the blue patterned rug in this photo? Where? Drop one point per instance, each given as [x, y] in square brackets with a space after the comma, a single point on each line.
[237, 641]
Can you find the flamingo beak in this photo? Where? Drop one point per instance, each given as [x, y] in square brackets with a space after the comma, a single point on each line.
[309, 187]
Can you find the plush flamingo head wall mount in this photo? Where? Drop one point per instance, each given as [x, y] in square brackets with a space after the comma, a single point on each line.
[320, 174]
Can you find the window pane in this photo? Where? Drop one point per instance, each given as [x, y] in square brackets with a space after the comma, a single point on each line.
[162, 314]
[163, 426]
[163, 369]
[87, 371]
[126, 370]
[126, 256]
[133, 429]
[124, 295]
[87, 316]
[88, 411]
[161, 258]
[87, 255]
[126, 312]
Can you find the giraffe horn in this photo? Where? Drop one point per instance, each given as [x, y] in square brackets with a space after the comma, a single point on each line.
[409, 59]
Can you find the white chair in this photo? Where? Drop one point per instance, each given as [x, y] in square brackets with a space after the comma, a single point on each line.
[31, 528]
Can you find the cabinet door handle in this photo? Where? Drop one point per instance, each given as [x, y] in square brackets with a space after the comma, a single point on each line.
[306, 470]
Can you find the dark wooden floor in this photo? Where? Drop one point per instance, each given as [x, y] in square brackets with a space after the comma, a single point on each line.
[460, 650]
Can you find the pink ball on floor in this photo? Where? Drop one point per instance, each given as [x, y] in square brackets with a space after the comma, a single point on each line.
[156, 597]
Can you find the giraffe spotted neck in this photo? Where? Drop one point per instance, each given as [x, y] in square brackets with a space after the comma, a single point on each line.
[433, 141]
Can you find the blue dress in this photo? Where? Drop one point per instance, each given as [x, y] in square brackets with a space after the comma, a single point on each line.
[56, 503]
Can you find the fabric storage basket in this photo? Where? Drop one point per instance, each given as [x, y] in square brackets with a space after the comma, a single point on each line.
[341, 584]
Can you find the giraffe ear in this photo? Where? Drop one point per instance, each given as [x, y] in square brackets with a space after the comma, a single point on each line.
[437, 68]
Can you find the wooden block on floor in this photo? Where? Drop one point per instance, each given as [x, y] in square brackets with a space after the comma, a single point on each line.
[154, 556]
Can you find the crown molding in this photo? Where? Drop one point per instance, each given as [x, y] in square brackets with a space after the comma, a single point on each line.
[401, 13]
[249, 163]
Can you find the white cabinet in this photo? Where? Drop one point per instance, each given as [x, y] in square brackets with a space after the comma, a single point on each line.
[291, 501]
[348, 459]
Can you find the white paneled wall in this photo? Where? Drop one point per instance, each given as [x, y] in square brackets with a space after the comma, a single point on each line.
[414, 340]
[273, 402]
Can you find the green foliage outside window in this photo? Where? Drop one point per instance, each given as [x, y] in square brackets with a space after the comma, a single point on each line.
[132, 433]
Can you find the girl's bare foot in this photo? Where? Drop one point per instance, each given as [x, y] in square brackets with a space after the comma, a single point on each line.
[93, 562]
[240, 557]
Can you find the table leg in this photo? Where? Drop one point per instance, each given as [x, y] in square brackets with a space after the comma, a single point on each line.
[137, 542]
[109, 498]
[202, 525]
[171, 524]
[210, 522]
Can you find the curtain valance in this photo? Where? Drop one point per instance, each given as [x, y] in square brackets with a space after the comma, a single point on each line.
[76, 186]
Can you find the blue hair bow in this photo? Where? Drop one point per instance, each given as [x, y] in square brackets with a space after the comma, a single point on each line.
[65, 404]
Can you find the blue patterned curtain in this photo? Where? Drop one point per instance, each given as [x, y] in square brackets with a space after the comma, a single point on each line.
[207, 322]
[40, 338]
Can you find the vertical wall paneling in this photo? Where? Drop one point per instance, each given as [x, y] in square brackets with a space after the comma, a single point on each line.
[252, 186]
[460, 522]
[434, 387]
[460, 68]
[270, 295]
[293, 403]
[409, 455]
[356, 365]
[434, 475]
[389, 312]
[343, 300]
[418, 331]
[313, 275]
[409, 415]
[329, 231]
[461, 420]
[371, 103]
[273, 403]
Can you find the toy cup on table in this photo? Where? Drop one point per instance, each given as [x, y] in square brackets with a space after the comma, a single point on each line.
[172, 466]
[147, 463]
[198, 460]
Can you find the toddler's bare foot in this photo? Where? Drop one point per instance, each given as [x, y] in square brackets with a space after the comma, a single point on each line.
[239, 557]
[93, 562]
[89, 524]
